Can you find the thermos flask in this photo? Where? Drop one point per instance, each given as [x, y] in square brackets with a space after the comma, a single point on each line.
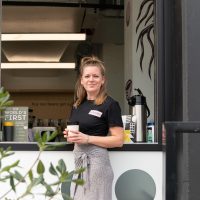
[139, 117]
[139, 111]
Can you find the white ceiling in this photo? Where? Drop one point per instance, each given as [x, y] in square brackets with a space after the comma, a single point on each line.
[105, 27]
[41, 19]
[31, 19]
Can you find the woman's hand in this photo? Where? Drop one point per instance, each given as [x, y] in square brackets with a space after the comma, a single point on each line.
[76, 137]
[65, 133]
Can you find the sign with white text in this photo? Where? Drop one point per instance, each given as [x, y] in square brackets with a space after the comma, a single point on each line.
[19, 116]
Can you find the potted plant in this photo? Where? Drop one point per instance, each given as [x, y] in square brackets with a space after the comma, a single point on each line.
[35, 175]
[4, 102]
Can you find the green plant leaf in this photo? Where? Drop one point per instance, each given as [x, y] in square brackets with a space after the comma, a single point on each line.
[40, 167]
[66, 196]
[29, 188]
[8, 103]
[38, 138]
[7, 168]
[53, 146]
[79, 171]
[4, 97]
[52, 136]
[78, 181]
[65, 177]
[5, 178]
[55, 183]
[52, 170]
[37, 181]
[1, 90]
[1, 150]
[8, 154]
[12, 184]
[30, 175]
[18, 176]
[49, 191]
[44, 137]
[9, 148]
[61, 167]
[4, 100]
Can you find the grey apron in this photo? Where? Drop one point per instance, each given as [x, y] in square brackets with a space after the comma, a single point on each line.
[98, 175]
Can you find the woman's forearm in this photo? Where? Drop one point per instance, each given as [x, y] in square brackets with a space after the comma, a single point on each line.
[107, 141]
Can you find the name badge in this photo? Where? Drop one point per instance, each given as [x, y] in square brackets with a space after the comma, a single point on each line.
[95, 113]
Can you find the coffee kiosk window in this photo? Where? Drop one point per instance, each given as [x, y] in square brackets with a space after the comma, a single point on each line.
[39, 59]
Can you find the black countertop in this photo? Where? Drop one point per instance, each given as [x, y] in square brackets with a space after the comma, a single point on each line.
[32, 146]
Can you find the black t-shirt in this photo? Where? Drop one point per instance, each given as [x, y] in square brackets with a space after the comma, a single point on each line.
[96, 119]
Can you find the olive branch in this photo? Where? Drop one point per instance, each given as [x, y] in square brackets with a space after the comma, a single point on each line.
[11, 176]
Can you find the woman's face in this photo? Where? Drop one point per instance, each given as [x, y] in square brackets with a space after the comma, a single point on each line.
[92, 80]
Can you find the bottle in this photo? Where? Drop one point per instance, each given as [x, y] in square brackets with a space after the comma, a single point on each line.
[149, 135]
[8, 131]
[150, 131]
[30, 118]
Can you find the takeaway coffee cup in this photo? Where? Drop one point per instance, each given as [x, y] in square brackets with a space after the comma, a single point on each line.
[74, 126]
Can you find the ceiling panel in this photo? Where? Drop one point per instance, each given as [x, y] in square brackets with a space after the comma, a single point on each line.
[32, 51]
[41, 19]
[105, 26]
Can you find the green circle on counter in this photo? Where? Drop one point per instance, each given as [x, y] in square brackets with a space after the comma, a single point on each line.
[135, 184]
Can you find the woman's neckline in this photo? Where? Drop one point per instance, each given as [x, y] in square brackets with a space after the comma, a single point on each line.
[90, 100]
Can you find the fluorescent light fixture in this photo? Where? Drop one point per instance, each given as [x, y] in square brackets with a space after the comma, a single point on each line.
[44, 37]
[37, 65]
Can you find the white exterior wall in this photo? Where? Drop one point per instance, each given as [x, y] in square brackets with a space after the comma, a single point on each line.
[149, 162]
[132, 71]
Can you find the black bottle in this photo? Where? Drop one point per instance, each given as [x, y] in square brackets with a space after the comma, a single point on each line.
[8, 131]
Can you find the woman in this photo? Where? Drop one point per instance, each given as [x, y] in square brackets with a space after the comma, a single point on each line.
[100, 127]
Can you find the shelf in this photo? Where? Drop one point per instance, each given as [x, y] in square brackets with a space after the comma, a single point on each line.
[69, 147]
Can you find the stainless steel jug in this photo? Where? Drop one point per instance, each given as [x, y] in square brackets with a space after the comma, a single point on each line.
[139, 114]
[139, 111]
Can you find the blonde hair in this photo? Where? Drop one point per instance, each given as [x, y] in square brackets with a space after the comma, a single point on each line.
[80, 90]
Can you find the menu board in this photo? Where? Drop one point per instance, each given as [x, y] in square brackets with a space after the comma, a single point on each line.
[19, 117]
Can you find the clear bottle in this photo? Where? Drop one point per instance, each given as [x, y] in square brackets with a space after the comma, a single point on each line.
[150, 131]
[149, 135]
